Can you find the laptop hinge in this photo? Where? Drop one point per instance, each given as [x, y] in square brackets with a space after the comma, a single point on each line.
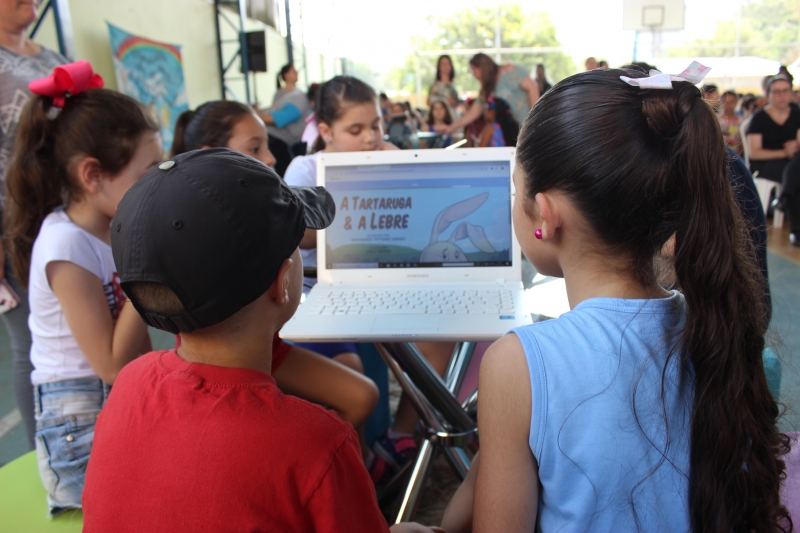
[336, 283]
[500, 281]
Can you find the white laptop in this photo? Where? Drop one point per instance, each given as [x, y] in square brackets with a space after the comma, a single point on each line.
[421, 249]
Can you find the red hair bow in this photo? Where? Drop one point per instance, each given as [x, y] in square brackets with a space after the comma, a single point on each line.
[66, 81]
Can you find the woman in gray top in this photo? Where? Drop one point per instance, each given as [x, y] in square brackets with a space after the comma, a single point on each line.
[285, 120]
[21, 61]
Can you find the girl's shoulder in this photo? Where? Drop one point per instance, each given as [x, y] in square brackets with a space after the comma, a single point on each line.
[515, 71]
[599, 324]
[60, 239]
[302, 170]
[57, 225]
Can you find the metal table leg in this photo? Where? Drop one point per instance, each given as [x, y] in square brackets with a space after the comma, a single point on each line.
[447, 426]
[414, 488]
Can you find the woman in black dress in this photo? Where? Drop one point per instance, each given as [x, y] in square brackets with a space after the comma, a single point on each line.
[774, 141]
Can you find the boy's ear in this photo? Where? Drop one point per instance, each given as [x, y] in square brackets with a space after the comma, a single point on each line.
[549, 213]
[89, 174]
[279, 290]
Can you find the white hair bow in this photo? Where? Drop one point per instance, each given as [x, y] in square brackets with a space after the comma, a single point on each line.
[694, 74]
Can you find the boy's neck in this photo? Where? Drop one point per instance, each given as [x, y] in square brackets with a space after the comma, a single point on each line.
[90, 219]
[248, 346]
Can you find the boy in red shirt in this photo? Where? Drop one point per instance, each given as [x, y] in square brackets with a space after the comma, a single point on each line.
[200, 438]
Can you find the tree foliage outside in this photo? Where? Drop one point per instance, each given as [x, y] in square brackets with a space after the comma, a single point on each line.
[773, 23]
[476, 28]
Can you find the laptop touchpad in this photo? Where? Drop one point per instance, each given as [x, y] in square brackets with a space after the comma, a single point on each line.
[405, 324]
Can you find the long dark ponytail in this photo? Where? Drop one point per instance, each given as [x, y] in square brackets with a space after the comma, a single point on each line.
[98, 123]
[641, 166]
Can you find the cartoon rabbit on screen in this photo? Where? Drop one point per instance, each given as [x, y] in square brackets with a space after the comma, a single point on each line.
[447, 251]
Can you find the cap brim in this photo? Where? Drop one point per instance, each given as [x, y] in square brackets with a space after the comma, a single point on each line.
[318, 204]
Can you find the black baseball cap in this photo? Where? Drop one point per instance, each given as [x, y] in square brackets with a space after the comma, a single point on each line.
[214, 226]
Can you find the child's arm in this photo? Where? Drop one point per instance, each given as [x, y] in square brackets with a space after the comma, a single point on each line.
[458, 514]
[530, 87]
[507, 483]
[321, 380]
[107, 347]
[486, 135]
[472, 114]
[147, 344]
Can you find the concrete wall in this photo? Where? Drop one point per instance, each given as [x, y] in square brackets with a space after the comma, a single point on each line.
[188, 23]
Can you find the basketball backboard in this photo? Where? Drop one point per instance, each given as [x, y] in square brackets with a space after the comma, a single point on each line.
[648, 15]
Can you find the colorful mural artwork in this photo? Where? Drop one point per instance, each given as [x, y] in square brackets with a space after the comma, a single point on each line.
[152, 73]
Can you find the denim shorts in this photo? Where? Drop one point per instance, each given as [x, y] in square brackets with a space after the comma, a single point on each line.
[66, 412]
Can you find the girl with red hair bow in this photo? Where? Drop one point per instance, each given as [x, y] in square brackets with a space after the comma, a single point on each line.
[79, 148]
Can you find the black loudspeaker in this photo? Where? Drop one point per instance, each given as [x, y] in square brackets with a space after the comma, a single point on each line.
[257, 51]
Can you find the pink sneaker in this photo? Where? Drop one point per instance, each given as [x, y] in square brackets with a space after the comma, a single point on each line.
[395, 451]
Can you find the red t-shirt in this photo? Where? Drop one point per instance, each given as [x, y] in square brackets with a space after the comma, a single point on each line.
[184, 446]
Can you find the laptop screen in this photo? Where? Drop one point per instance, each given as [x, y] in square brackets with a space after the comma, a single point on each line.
[422, 215]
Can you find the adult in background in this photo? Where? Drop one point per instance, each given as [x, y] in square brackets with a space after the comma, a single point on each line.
[730, 122]
[541, 79]
[443, 86]
[774, 141]
[511, 83]
[285, 120]
[21, 61]
[591, 63]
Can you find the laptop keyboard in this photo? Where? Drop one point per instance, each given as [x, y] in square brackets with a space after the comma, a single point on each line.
[419, 302]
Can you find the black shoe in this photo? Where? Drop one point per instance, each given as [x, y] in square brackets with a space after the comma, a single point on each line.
[779, 204]
[794, 239]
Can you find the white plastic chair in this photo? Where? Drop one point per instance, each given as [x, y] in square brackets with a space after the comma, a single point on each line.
[763, 185]
[765, 188]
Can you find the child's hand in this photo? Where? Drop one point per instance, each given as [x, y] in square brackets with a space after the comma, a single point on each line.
[387, 146]
[791, 148]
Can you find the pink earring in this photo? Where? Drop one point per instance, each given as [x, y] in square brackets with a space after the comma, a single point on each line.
[538, 234]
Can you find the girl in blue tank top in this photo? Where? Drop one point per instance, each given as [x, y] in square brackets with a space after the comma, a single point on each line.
[646, 407]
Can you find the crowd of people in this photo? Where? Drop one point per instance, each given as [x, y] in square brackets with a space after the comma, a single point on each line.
[645, 406]
[764, 130]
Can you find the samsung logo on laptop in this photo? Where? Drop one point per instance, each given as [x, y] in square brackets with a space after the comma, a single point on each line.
[417, 275]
